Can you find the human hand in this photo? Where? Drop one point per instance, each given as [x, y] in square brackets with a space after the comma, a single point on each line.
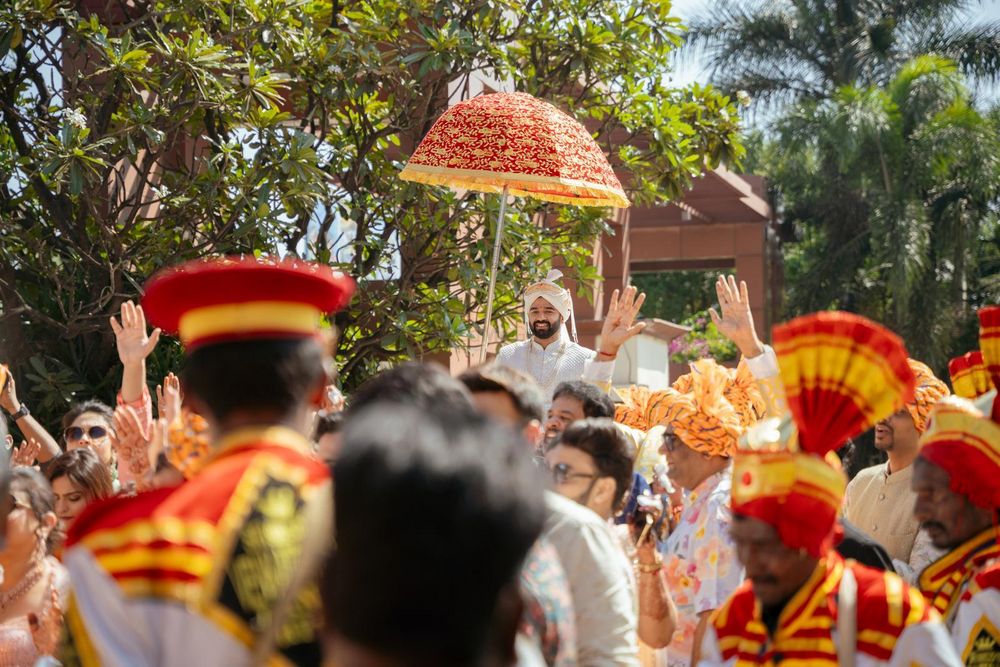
[333, 399]
[8, 396]
[26, 454]
[736, 321]
[129, 441]
[134, 345]
[168, 398]
[619, 324]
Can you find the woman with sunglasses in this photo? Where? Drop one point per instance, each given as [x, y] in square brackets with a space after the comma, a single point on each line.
[89, 425]
[34, 586]
[78, 478]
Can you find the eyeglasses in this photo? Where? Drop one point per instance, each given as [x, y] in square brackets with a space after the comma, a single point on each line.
[671, 441]
[562, 473]
[74, 433]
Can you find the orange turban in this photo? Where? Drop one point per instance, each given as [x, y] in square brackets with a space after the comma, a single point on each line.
[928, 391]
[702, 418]
[841, 373]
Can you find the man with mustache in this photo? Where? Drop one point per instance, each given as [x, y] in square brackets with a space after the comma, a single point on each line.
[802, 603]
[956, 479]
[549, 356]
[879, 499]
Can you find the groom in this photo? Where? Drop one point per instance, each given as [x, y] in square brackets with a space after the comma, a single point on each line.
[549, 356]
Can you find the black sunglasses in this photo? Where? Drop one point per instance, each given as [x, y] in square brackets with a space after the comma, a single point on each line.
[76, 433]
[562, 473]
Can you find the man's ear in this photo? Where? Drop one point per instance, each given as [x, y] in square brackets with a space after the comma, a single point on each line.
[604, 489]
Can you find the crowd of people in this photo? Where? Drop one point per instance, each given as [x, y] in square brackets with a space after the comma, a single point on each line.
[522, 513]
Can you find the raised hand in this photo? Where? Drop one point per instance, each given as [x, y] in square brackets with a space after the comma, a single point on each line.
[8, 396]
[736, 321]
[134, 345]
[620, 324]
[168, 398]
[129, 442]
[26, 454]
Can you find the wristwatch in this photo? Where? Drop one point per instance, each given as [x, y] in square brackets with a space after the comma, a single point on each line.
[22, 411]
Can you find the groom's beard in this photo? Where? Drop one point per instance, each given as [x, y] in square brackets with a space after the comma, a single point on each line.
[544, 330]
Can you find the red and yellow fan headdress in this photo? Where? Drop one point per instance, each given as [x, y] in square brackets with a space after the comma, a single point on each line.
[964, 438]
[969, 377]
[841, 374]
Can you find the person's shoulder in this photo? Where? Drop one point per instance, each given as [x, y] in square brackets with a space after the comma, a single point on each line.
[509, 349]
[116, 514]
[736, 612]
[866, 475]
[563, 510]
[886, 604]
[987, 578]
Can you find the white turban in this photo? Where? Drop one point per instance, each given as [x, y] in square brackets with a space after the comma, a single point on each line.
[559, 298]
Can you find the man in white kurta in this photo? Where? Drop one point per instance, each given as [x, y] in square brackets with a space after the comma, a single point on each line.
[550, 356]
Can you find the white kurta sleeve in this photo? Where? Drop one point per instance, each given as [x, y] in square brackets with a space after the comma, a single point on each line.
[711, 654]
[926, 645]
[599, 373]
[764, 365]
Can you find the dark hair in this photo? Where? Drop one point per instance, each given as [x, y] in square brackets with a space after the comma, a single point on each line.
[329, 422]
[608, 445]
[84, 471]
[427, 387]
[267, 375]
[40, 497]
[522, 389]
[96, 407]
[596, 403]
[433, 521]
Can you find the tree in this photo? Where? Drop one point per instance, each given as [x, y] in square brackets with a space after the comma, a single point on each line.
[147, 133]
[807, 49]
[893, 192]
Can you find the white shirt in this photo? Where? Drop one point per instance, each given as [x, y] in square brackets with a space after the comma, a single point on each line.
[562, 361]
[600, 581]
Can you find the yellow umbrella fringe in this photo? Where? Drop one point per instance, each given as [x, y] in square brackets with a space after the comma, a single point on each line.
[576, 193]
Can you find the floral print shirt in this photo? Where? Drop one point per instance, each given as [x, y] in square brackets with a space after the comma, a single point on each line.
[699, 560]
[548, 611]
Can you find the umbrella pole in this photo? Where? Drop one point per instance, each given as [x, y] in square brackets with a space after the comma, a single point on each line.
[493, 276]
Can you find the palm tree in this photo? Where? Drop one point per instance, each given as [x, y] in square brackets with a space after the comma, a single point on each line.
[890, 187]
[790, 50]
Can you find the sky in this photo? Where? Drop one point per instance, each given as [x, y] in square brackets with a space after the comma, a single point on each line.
[689, 70]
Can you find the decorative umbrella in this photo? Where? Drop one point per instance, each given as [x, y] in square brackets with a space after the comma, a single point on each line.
[513, 143]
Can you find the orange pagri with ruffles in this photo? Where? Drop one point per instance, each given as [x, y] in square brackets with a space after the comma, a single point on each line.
[944, 581]
[885, 607]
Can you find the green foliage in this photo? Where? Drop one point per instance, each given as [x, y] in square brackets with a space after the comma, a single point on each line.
[676, 295]
[703, 341]
[890, 197]
[807, 49]
[164, 131]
